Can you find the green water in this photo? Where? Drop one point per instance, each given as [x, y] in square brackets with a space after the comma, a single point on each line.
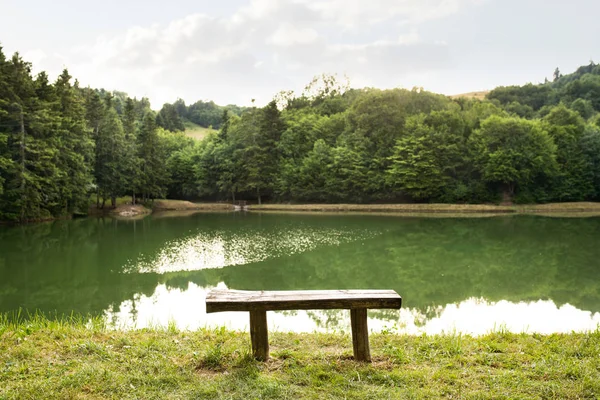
[467, 274]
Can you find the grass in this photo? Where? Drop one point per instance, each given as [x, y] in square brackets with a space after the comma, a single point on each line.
[472, 95]
[183, 205]
[80, 358]
[196, 131]
[125, 208]
[563, 208]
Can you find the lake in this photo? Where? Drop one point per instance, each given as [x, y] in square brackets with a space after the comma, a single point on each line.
[470, 275]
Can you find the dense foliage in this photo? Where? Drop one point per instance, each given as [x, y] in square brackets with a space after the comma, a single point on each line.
[59, 143]
[206, 114]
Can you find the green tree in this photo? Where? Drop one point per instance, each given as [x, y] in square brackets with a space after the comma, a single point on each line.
[585, 108]
[513, 152]
[313, 174]
[169, 118]
[75, 148]
[590, 144]
[431, 156]
[556, 75]
[110, 168]
[573, 181]
[261, 155]
[131, 162]
[153, 174]
[31, 147]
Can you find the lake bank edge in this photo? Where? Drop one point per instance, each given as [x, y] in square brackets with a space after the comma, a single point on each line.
[45, 358]
[439, 208]
[129, 212]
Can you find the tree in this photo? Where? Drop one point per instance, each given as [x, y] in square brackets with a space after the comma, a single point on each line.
[169, 118]
[590, 145]
[430, 156]
[585, 108]
[224, 125]
[75, 148]
[556, 75]
[314, 174]
[110, 168]
[29, 191]
[261, 155]
[573, 181]
[513, 152]
[6, 164]
[131, 163]
[182, 159]
[153, 175]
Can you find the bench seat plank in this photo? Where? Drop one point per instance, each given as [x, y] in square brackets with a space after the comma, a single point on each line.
[241, 300]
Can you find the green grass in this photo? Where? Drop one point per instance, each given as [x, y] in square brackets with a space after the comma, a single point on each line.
[480, 95]
[196, 131]
[81, 358]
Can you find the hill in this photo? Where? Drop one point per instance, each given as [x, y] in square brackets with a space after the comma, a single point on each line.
[471, 95]
[196, 131]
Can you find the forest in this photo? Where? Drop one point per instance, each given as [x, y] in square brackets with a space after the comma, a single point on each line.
[62, 145]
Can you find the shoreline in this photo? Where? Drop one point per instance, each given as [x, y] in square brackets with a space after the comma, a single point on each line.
[441, 210]
[550, 208]
[81, 359]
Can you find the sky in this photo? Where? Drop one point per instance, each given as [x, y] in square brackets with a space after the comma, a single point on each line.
[234, 51]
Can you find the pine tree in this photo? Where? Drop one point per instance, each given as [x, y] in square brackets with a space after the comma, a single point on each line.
[110, 169]
[261, 154]
[5, 159]
[130, 160]
[23, 195]
[75, 147]
[94, 111]
[153, 179]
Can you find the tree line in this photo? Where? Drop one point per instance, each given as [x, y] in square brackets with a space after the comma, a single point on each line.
[206, 114]
[337, 144]
[61, 143]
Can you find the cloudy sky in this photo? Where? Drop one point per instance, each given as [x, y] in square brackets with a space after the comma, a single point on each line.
[234, 51]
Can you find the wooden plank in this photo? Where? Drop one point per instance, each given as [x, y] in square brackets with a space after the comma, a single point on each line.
[240, 300]
[360, 334]
[259, 335]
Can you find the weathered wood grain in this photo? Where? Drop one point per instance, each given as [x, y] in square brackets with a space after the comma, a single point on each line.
[360, 334]
[259, 335]
[239, 300]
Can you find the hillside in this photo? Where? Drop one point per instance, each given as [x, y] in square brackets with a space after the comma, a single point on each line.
[471, 95]
[196, 131]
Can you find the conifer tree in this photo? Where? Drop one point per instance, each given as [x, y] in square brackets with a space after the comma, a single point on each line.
[152, 180]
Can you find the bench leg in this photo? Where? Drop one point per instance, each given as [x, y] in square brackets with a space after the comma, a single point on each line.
[259, 335]
[360, 334]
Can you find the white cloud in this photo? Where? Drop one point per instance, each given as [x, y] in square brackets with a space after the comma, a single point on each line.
[288, 35]
[353, 13]
[263, 48]
[35, 56]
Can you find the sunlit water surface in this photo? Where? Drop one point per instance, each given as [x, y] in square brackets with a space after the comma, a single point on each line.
[467, 275]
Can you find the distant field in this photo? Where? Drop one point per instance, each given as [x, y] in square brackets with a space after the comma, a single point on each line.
[471, 95]
[196, 131]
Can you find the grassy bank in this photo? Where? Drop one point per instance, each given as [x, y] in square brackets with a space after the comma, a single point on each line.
[183, 205]
[562, 208]
[124, 208]
[46, 359]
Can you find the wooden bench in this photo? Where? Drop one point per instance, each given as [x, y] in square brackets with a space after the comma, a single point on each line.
[258, 303]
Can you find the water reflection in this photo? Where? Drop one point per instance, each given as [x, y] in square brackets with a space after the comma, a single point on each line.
[522, 273]
[218, 249]
[186, 309]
